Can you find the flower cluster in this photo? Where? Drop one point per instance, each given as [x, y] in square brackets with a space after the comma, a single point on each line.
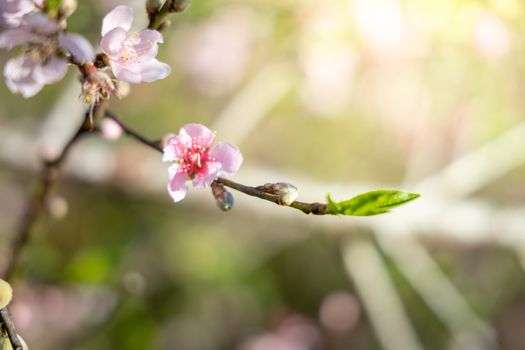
[127, 57]
[48, 48]
[194, 159]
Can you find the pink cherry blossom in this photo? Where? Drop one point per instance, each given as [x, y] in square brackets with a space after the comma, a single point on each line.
[12, 11]
[39, 64]
[131, 54]
[194, 159]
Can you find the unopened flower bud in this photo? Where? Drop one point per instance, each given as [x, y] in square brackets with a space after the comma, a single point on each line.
[165, 25]
[223, 197]
[67, 7]
[134, 282]
[286, 193]
[179, 5]
[110, 129]
[6, 293]
[101, 60]
[153, 6]
[58, 207]
[122, 89]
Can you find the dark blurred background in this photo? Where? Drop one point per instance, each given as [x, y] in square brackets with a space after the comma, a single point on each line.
[338, 96]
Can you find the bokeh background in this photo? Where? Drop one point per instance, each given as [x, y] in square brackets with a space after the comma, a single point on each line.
[338, 96]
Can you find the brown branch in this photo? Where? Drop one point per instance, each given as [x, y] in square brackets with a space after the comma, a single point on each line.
[158, 18]
[51, 170]
[307, 208]
[133, 134]
[35, 208]
[37, 203]
[9, 328]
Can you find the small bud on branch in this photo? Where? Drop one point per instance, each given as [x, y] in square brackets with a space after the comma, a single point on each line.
[67, 8]
[286, 193]
[152, 7]
[159, 21]
[165, 25]
[178, 5]
[223, 197]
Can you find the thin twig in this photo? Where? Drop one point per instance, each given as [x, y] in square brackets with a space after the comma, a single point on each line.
[9, 328]
[157, 20]
[307, 208]
[152, 144]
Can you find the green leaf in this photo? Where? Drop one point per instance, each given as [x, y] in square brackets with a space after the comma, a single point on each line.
[52, 5]
[371, 203]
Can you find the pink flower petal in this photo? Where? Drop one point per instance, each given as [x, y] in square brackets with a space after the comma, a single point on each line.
[78, 47]
[147, 44]
[199, 133]
[169, 152]
[229, 156]
[177, 187]
[153, 70]
[121, 16]
[175, 147]
[14, 37]
[112, 41]
[40, 23]
[26, 88]
[19, 78]
[207, 174]
[125, 74]
[20, 67]
[12, 11]
[151, 36]
[15, 6]
[51, 72]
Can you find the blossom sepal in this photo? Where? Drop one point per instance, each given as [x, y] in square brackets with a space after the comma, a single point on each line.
[286, 193]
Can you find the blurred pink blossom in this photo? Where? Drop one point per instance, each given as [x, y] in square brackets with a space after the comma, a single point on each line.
[39, 65]
[339, 312]
[491, 37]
[131, 55]
[294, 333]
[194, 160]
[67, 311]
[215, 55]
[110, 129]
